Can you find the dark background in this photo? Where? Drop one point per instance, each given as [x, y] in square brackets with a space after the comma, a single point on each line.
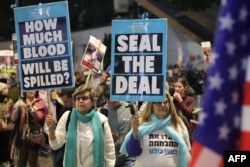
[86, 14]
[83, 14]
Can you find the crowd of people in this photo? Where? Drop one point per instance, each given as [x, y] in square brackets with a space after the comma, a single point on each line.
[88, 129]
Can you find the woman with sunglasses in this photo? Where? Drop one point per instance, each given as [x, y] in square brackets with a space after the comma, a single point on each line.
[158, 138]
[88, 139]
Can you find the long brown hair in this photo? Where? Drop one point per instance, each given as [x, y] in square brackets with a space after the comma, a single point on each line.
[183, 81]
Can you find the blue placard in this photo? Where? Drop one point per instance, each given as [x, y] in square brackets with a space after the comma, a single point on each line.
[44, 46]
[138, 62]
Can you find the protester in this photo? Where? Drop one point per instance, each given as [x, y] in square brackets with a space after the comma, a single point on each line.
[171, 81]
[14, 89]
[108, 80]
[99, 93]
[6, 126]
[28, 136]
[65, 96]
[88, 138]
[104, 77]
[142, 107]
[119, 118]
[79, 79]
[95, 80]
[99, 90]
[159, 138]
[176, 71]
[184, 104]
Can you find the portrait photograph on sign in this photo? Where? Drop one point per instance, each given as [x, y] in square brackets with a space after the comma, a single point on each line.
[93, 55]
[207, 51]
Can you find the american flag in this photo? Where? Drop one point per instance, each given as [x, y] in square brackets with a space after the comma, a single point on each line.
[223, 123]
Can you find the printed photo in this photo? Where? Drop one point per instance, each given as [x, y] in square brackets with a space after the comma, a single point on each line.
[93, 55]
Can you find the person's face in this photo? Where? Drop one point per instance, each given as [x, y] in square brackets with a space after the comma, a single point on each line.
[161, 109]
[83, 103]
[108, 81]
[8, 60]
[171, 88]
[171, 85]
[104, 76]
[112, 104]
[207, 51]
[31, 94]
[67, 101]
[180, 88]
[176, 71]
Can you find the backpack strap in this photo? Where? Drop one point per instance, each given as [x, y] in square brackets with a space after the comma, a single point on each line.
[68, 119]
[104, 111]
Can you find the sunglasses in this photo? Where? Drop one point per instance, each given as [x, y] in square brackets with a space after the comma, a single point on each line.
[83, 98]
[161, 103]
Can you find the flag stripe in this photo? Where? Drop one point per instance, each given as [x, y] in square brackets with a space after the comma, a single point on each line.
[248, 69]
[247, 94]
[205, 157]
[196, 149]
[245, 125]
[244, 142]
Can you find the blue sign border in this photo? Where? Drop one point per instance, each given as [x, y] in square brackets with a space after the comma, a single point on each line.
[148, 26]
[43, 12]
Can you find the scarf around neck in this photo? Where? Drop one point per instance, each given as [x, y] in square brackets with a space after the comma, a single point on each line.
[165, 126]
[98, 143]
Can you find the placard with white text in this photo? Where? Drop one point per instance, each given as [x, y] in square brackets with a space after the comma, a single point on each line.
[138, 62]
[44, 46]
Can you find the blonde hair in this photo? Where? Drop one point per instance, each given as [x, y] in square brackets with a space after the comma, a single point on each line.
[146, 114]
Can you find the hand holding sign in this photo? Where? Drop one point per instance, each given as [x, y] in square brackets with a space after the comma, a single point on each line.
[135, 126]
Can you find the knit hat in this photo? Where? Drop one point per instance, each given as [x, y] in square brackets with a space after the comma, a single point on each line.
[2, 86]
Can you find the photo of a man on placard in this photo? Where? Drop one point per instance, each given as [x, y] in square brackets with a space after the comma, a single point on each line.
[206, 48]
[93, 55]
[90, 56]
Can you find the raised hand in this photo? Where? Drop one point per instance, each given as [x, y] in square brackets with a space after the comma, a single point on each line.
[135, 125]
[50, 121]
[177, 96]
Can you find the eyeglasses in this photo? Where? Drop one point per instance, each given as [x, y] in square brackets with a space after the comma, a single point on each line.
[161, 103]
[83, 98]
